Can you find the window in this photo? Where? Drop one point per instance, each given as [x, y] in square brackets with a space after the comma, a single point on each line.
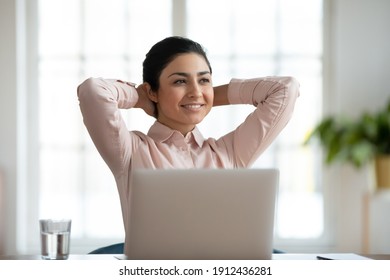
[79, 39]
[83, 38]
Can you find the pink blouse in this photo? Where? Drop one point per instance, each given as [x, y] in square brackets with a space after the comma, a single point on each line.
[162, 147]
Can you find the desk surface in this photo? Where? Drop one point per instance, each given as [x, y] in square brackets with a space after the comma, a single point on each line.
[274, 257]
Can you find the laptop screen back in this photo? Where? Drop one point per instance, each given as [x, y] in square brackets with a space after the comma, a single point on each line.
[202, 214]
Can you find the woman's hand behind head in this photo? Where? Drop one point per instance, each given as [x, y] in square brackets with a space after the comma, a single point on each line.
[144, 101]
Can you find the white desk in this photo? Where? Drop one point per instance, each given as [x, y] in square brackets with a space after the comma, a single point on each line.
[274, 257]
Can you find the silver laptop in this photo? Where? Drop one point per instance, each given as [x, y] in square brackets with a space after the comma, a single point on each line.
[202, 214]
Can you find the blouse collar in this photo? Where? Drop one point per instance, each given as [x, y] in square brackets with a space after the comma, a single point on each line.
[161, 133]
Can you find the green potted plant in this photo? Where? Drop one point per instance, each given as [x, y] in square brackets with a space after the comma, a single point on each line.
[363, 141]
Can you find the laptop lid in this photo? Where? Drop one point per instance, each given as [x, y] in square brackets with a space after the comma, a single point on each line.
[202, 214]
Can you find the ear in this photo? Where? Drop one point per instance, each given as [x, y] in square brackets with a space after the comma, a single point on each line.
[151, 94]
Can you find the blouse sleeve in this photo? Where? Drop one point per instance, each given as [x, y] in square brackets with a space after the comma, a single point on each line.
[100, 101]
[274, 98]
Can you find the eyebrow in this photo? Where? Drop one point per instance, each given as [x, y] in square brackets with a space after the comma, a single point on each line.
[187, 75]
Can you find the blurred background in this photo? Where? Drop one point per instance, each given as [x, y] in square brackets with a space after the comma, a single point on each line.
[49, 168]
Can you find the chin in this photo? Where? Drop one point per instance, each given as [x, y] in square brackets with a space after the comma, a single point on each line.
[197, 121]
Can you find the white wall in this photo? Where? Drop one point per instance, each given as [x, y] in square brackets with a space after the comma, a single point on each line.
[8, 127]
[360, 56]
[358, 79]
[357, 58]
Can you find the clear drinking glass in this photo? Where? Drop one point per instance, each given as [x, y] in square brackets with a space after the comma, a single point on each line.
[55, 239]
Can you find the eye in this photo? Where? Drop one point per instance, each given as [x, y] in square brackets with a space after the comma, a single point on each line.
[179, 82]
[204, 81]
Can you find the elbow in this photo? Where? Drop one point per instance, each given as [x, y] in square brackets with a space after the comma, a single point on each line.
[87, 87]
[92, 88]
[292, 86]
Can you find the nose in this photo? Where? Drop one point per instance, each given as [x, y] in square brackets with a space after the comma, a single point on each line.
[195, 91]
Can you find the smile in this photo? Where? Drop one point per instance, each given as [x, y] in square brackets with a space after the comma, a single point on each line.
[192, 106]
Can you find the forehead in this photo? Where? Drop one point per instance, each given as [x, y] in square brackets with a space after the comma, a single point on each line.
[186, 63]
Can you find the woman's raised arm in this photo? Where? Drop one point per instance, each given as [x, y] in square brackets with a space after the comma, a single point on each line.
[100, 101]
[221, 95]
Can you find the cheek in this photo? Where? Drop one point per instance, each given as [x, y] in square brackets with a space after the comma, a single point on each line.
[169, 98]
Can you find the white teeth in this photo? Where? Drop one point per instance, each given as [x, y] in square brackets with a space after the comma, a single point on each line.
[193, 106]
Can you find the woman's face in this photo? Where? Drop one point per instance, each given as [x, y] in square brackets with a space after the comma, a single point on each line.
[186, 93]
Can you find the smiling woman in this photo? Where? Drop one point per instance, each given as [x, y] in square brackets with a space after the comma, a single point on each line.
[183, 97]
[177, 79]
